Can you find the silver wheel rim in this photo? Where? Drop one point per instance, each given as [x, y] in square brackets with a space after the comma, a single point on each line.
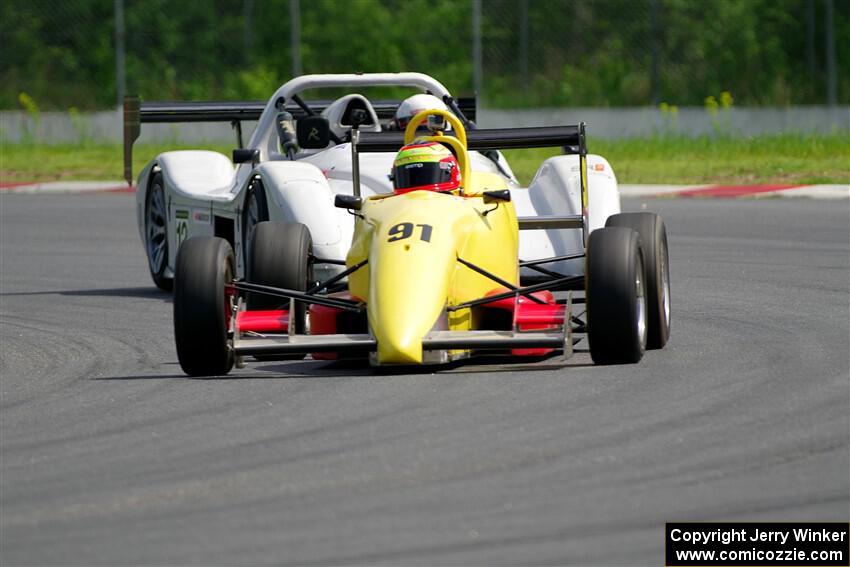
[231, 307]
[641, 304]
[665, 287]
[230, 301]
[155, 228]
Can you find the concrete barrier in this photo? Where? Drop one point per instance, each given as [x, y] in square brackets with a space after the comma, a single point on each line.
[615, 123]
[606, 123]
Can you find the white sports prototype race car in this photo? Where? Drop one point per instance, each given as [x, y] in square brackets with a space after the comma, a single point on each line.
[304, 153]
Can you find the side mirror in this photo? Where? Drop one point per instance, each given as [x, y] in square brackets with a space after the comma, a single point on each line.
[313, 132]
[348, 202]
[501, 196]
[246, 156]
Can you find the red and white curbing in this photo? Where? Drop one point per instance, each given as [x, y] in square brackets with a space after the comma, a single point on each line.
[641, 191]
[51, 187]
[736, 191]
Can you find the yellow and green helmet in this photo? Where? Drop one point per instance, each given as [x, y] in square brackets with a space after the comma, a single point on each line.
[425, 166]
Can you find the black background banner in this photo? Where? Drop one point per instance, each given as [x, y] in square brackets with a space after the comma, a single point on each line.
[768, 543]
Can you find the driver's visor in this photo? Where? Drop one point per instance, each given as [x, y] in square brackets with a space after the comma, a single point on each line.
[422, 174]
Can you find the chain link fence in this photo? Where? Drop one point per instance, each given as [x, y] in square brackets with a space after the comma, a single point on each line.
[61, 54]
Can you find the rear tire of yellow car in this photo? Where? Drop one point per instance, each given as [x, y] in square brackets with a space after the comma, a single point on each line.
[653, 236]
[615, 295]
[280, 255]
[255, 209]
[202, 307]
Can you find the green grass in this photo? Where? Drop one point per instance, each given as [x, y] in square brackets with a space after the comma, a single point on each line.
[765, 159]
[31, 162]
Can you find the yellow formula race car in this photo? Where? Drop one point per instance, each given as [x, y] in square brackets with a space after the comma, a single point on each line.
[431, 276]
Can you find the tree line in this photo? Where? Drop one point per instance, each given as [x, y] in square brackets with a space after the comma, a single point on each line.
[62, 53]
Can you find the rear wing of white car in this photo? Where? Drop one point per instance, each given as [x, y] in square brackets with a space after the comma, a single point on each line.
[136, 113]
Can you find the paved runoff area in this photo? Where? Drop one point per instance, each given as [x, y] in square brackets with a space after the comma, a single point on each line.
[641, 191]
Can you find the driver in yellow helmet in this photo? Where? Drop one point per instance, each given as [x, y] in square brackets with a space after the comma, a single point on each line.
[425, 166]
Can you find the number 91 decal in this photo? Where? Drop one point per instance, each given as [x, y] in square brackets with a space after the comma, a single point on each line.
[405, 230]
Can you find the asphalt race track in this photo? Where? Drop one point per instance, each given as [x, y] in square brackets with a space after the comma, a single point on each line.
[109, 455]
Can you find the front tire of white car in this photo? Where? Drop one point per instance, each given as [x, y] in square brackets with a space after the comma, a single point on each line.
[156, 233]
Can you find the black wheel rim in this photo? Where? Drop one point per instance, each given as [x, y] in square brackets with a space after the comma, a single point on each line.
[156, 231]
[252, 217]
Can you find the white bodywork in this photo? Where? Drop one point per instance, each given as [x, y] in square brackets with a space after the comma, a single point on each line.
[205, 192]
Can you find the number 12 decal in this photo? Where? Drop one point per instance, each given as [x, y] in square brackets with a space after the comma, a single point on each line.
[182, 232]
[405, 230]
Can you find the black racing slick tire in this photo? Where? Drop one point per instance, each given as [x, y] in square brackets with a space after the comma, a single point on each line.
[156, 233]
[203, 307]
[653, 236]
[255, 209]
[615, 295]
[280, 257]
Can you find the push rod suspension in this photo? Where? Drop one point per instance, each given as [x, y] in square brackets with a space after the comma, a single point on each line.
[544, 271]
[551, 260]
[322, 285]
[496, 279]
[317, 260]
[554, 284]
[297, 295]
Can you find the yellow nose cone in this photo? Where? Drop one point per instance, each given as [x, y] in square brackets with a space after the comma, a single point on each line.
[408, 296]
[412, 242]
[411, 263]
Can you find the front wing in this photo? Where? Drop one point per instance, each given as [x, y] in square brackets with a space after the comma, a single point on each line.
[435, 340]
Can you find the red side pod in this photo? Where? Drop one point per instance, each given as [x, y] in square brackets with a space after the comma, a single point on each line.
[274, 321]
[323, 322]
[529, 315]
[323, 319]
[536, 316]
